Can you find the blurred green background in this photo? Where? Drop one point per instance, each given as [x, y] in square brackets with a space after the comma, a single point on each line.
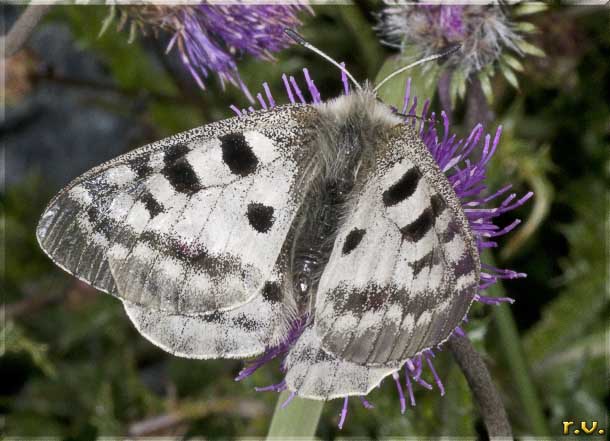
[73, 366]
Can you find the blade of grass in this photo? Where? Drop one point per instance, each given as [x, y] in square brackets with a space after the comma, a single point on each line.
[298, 419]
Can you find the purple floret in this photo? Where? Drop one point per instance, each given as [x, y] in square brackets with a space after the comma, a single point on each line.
[213, 37]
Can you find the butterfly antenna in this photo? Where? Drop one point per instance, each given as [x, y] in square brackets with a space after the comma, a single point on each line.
[300, 40]
[417, 63]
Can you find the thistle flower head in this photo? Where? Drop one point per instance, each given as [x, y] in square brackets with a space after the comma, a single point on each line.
[464, 162]
[486, 35]
[211, 38]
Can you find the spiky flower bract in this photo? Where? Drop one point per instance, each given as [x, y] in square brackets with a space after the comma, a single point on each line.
[464, 162]
[211, 38]
[487, 35]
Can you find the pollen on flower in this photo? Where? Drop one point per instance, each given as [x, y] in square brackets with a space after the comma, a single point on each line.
[464, 162]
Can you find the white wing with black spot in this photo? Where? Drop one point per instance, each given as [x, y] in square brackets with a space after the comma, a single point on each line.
[404, 267]
[241, 332]
[192, 229]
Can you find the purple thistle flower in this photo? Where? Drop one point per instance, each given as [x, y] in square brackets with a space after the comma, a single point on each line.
[451, 22]
[212, 37]
[483, 31]
[464, 162]
[487, 34]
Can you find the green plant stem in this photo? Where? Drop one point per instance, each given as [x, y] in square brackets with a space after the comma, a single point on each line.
[515, 359]
[299, 419]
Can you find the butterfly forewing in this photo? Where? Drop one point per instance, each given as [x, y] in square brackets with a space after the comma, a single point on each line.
[404, 267]
[191, 224]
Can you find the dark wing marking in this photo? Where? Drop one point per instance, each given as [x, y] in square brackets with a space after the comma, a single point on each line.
[409, 279]
[190, 224]
[244, 331]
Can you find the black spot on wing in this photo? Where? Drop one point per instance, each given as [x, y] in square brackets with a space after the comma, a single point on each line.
[151, 204]
[352, 300]
[245, 322]
[260, 216]
[465, 265]
[237, 154]
[448, 235]
[175, 152]
[214, 317]
[352, 240]
[100, 223]
[359, 300]
[376, 296]
[272, 292]
[402, 189]
[179, 172]
[424, 262]
[141, 165]
[194, 255]
[419, 227]
[93, 214]
[438, 204]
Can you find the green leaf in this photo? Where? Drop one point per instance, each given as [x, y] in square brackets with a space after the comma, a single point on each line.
[461, 85]
[526, 27]
[530, 49]
[108, 20]
[509, 75]
[32, 425]
[514, 63]
[520, 161]
[589, 346]
[526, 8]
[457, 88]
[299, 419]
[104, 416]
[16, 341]
[486, 86]
[585, 297]
[129, 64]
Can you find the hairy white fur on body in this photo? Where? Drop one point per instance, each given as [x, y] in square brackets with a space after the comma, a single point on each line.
[350, 128]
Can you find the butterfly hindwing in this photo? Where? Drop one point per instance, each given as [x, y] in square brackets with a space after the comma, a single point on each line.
[315, 373]
[241, 332]
[191, 224]
[404, 267]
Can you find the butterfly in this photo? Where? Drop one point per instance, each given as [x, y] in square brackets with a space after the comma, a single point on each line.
[217, 239]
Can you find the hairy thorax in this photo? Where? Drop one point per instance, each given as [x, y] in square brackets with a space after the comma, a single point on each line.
[351, 130]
